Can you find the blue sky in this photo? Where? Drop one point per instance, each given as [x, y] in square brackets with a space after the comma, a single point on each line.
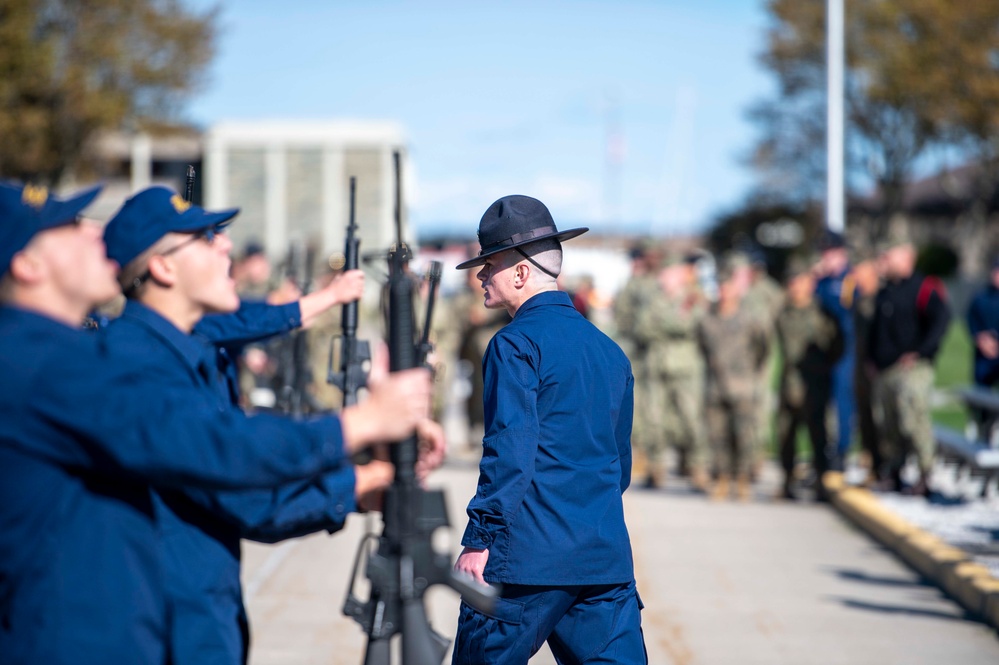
[517, 97]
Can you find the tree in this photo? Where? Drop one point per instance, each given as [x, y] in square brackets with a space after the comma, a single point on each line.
[919, 72]
[70, 70]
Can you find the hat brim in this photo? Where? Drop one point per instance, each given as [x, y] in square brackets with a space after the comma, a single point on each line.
[61, 213]
[560, 236]
[206, 220]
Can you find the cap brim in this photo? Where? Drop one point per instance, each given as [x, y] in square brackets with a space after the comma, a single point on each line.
[206, 220]
[560, 236]
[59, 213]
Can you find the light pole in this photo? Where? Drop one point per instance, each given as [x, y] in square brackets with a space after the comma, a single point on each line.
[835, 64]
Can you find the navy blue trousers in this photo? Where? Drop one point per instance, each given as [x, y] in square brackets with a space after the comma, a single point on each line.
[582, 624]
[842, 384]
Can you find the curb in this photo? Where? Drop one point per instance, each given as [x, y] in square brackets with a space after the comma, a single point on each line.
[953, 570]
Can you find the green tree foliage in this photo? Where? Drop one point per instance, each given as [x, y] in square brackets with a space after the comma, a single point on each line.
[919, 72]
[70, 69]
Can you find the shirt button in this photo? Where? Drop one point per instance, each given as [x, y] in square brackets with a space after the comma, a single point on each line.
[339, 507]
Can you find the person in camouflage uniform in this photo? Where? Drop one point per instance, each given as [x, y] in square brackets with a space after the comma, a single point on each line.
[667, 328]
[648, 429]
[764, 300]
[734, 345]
[865, 282]
[812, 343]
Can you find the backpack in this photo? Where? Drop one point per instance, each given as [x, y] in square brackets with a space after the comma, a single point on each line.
[930, 285]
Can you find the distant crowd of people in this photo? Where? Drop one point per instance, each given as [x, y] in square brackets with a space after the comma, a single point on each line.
[857, 330]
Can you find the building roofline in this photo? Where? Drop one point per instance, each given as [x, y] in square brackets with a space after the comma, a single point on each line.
[348, 133]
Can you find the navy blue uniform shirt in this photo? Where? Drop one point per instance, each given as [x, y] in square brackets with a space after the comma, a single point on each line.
[983, 316]
[557, 451]
[82, 436]
[202, 529]
[830, 291]
[255, 321]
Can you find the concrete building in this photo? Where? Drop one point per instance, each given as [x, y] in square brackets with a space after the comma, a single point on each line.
[290, 179]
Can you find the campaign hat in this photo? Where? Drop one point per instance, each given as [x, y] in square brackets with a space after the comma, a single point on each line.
[151, 214]
[26, 210]
[515, 221]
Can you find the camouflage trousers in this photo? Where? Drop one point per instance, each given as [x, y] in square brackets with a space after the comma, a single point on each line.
[683, 413]
[906, 427]
[732, 431]
[766, 404]
[648, 432]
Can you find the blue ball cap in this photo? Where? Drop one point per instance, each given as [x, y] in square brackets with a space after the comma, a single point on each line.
[150, 215]
[26, 210]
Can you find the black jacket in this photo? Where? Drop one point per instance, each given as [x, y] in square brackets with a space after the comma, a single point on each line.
[908, 317]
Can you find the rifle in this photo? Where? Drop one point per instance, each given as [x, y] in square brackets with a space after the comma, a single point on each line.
[404, 564]
[293, 396]
[353, 352]
[189, 184]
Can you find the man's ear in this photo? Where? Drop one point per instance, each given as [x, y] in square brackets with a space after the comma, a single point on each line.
[26, 267]
[162, 271]
[523, 273]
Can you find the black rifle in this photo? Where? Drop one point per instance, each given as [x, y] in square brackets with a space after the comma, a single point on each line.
[293, 396]
[404, 564]
[189, 184]
[353, 352]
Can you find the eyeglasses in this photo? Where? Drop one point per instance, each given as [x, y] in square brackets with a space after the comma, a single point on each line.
[208, 235]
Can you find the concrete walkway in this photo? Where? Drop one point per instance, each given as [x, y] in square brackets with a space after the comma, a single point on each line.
[766, 583]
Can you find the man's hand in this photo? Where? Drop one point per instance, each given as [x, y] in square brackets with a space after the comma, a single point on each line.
[342, 289]
[370, 482]
[908, 359]
[432, 447]
[472, 562]
[395, 406]
[987, 344]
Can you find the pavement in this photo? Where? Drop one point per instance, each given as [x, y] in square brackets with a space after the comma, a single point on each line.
[765, 582]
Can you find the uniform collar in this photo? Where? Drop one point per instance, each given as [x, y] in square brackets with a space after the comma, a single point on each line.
[30, 320]
[545, 298]
[188, 347]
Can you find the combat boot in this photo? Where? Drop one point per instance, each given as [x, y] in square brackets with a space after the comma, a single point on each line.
[699, 479]
[639, 466]
[656, 477]
[743, 489]
[720, 491]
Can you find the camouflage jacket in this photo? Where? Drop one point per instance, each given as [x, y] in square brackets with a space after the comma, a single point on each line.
[632, 299]
[812, 343]
[734, 349]
[667, 328]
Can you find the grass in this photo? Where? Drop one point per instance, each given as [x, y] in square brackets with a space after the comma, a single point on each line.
[953, 370]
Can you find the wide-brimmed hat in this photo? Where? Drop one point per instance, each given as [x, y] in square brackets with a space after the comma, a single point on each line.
[150, 215]
[515, 221]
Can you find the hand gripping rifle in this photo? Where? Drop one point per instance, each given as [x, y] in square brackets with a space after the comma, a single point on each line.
[404, 564]
[353, 352]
